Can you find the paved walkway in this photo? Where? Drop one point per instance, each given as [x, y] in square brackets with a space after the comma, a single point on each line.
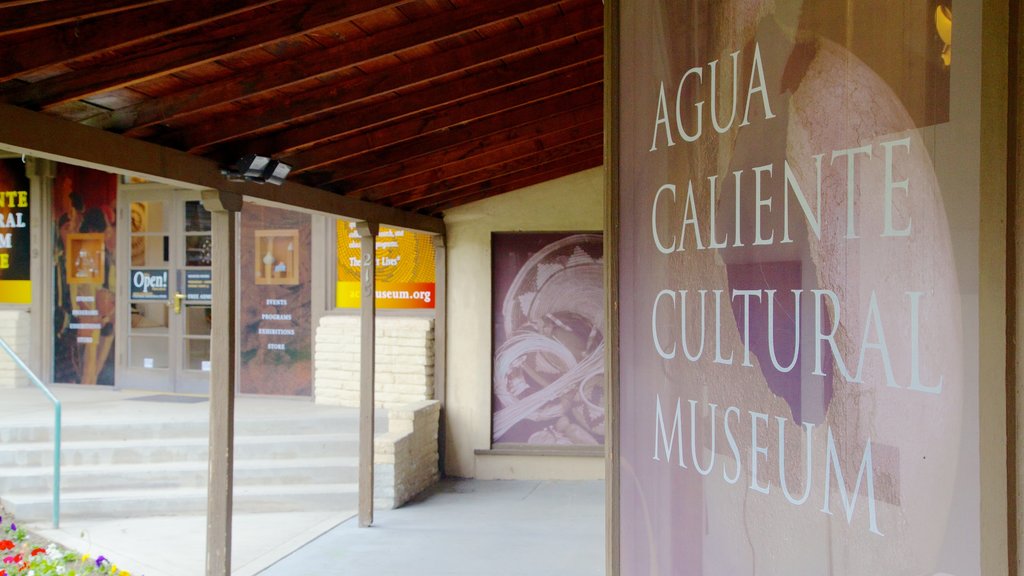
[469, 528]
[461, 527]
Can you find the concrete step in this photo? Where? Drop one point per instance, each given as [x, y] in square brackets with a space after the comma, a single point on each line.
[134, 466]
[345, 421]
[36, 506]
[156, 450]
[185, 474]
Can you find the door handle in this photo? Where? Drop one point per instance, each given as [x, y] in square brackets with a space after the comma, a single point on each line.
[178, 297]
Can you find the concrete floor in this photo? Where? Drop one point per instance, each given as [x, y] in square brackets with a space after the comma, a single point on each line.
[469, 528]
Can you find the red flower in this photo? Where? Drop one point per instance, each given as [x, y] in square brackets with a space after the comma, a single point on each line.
[38, 551]
[3, 573]
[6, 545]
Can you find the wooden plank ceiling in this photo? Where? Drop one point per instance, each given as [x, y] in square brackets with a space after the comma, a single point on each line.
[422, 105]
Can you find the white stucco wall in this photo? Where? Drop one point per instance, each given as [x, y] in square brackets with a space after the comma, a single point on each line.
[575, 202]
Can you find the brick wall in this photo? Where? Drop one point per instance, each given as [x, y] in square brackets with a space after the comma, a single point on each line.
[15, 329]
[405, 458]
[405, 361]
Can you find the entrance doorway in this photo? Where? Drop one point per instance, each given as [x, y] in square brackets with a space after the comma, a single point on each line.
[168, 284]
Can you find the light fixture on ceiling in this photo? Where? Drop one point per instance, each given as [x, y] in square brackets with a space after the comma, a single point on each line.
[259, 169]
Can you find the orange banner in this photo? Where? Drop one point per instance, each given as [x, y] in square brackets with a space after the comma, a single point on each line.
[405, 268]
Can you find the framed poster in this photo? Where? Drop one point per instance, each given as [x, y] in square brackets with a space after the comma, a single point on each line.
[797, 212]
[548, 363]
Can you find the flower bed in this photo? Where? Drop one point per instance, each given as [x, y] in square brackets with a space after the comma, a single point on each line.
[23, 555]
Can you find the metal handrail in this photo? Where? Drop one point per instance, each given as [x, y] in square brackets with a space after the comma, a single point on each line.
[56, 427]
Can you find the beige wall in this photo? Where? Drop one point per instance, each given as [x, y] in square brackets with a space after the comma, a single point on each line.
[574, 202]
[16, 330]
[404, 361]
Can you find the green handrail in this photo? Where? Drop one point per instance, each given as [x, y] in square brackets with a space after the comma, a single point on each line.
[56, 427]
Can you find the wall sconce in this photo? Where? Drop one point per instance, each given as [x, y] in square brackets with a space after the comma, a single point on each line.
[944, 26]
[259, 169]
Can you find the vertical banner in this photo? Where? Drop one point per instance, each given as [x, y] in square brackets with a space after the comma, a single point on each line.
[548, 311]
[15, 236]
[798, 289]
[276, 344]
[84, 281]
[405, 268]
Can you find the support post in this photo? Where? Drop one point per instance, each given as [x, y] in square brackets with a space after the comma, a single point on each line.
[223, 206]
[440, 341]
[367, 341]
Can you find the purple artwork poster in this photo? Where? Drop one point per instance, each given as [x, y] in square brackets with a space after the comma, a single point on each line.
[548, 308]
[798, 289]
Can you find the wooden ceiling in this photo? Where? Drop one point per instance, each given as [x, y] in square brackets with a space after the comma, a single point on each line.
[421, 105]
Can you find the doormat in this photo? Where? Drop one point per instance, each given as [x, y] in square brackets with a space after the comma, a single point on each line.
[173, 398]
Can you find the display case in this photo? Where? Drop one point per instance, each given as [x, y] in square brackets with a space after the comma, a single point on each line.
[85, 258]
[277, 256]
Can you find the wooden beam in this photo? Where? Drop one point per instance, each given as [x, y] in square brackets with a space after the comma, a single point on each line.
[31, 50]
[350, 115]
[612, 445]
[455, 185]
[367, 344]
[44, 136]
[487, 131]
[440, 341]
[489, 161]
[224, 207]
[585, 76]
[135, 119]
[511, 183]
[290, 18]
[15, 17]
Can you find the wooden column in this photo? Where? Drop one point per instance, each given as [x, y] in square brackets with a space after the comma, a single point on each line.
[224, 206]
[440, 340]
[367, 341]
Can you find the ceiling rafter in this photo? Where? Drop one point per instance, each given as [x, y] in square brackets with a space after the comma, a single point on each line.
[554, 137]
[329, 162]
[403, 108]
[344, 99]
[30, 51]
[463, 148]
[585, 77]
[178, 51]
[133, 120]
[510, 182]
[15, 18]
[475, 175]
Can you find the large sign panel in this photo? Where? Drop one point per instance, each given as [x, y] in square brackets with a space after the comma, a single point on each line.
[405, 268]
[84, 275]
[275, 311]
[548, 311]
[799, 195]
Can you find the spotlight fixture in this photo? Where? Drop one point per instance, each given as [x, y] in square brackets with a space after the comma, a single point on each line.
[259, 169]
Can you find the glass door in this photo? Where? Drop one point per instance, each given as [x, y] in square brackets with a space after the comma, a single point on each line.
[169, 287]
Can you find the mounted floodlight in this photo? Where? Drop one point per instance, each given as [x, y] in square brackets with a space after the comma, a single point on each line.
[252, 166]
[276, 172]
[260, 169]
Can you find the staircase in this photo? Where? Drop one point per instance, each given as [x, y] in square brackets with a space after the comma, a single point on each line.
[304, 462]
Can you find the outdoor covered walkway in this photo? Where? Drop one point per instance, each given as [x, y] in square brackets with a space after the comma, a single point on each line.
[469, 527]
